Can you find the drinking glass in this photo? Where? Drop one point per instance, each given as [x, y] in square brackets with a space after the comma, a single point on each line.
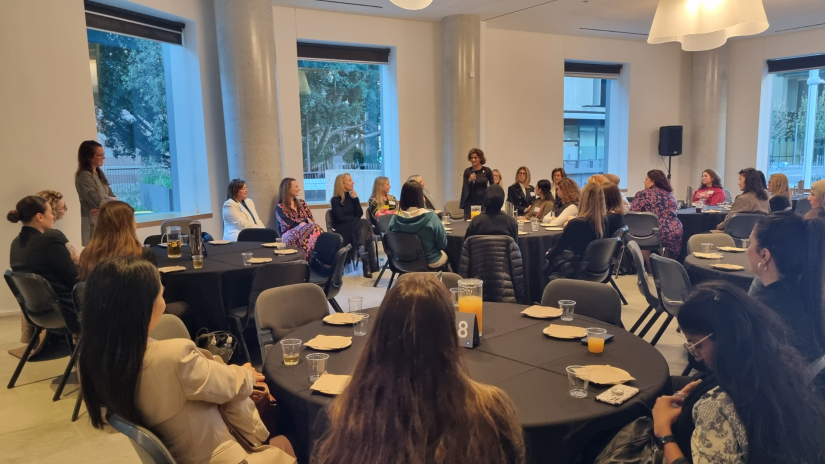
[699, 205]
[455, 293]
[246, 257]
[595, 339]
[355, 303]
[568, 307]
[317, 365]
[174, 242]
[474, 211]
[361, 327]
[470, 299]
[197, 261]
[291, 347]
[578, 378]
[520, 226]
[534, 222]
[447, 219]
[707, 247]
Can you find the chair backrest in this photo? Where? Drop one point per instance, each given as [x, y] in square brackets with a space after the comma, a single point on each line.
[453, 208]
[641, 274]
[728, 195]
[672, 283]
[328, 220]
[741, 225]
[169, 327]
[38, 301]
[276, 275]
[383, 223]
[336, 280]
[322, 260]
[183, 223]
[149, 448]
[152, 240]
[78, 295]
[279, 311]
[405, 252]
[258, 235]
[803, 205]
[643, 228]
[597, 259]
[592, 299]
[718, 240]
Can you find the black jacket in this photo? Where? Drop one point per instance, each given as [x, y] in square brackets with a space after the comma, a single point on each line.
[47, 256]
[576, 236]
[614, 223]
[787, 299]
[516, 196]
[496, 261]
[345, 215]
[492, 221]
[779, 203]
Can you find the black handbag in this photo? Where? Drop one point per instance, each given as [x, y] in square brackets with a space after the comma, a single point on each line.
[221, 344]
[634, 444]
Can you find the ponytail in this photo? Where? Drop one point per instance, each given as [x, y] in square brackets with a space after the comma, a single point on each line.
[813, 276]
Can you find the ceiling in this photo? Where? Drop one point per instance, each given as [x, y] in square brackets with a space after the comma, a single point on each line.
[627, 19]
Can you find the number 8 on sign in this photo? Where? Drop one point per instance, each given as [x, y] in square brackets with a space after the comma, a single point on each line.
[462, 329]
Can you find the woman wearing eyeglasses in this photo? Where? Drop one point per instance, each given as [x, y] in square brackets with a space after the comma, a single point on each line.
[521, 194]
[763, 409]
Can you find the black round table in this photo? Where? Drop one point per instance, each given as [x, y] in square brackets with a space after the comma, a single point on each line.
[533, 246]
[221, 284]
[515, 356]
[698, 223]
[700, 270]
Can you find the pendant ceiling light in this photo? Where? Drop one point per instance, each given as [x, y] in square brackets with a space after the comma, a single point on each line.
[706, 24]
[412, 4]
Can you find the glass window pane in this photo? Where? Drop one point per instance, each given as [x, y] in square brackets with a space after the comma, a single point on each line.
[585, 126]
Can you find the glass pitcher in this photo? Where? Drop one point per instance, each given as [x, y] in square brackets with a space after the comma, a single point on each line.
[174, 242]
[469, 299]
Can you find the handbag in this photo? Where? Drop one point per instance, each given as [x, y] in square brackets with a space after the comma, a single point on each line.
[221, 344]
[267, 407]
[634, 444]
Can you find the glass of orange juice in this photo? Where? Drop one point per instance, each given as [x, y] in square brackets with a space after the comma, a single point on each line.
[470, 299]
[474, 211]
[595, 339]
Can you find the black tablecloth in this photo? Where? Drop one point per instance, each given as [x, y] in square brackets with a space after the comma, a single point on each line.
[699, 270]
[516, 357]
[697, 223]
[222, 284]
[533, 247]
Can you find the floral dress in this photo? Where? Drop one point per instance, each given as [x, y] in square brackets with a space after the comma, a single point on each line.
[298, 228]
[663, 204]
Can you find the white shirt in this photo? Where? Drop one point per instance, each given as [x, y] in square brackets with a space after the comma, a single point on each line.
[570, 211]
[236, 218]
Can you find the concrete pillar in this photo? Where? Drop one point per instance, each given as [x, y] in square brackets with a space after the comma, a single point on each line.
[246, 51]
[709, 113]
[460, 63]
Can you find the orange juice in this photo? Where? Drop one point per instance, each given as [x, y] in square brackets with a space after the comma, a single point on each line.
[472, 305]
[595, 344]
[474, 214]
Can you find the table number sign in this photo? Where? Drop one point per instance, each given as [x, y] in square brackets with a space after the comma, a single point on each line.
[467, 329]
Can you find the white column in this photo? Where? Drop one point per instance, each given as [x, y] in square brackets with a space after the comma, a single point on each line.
[246, 51]
[709, 112]
[810, 123]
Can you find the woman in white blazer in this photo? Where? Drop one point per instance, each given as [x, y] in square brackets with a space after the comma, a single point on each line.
[239, 211]
[199, 407]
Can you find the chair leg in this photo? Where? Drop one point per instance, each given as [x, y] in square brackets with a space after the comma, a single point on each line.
[243, 340]
[649, 324]
[25, 357]
[661, 330]
[392, 277]
[66, 374]
[619, 263]
[641, 319]
[77, 404]
[335, 306]
[616, 287]
[687, 370]
[381, 274]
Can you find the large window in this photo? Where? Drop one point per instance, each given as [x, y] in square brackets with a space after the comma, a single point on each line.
[797, 127]
[586, 123]
[341, 125]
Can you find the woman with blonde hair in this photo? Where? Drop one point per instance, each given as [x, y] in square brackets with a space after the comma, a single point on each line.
[348, 221]
[521, 194]
[412, 369]
[429, 199]
[59, 210]
[496, 177]
[589, 224]
[568, 191]
[381, 202]
[780, 194]
[817, 199]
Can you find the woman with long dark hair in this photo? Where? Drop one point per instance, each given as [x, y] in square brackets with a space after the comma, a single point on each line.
[295, 222]
[92, 186]
[414, 218]
[754, 197]
[657, 198]
[411, 399]
[615, 208]
[556, 175]
[765, 408]
[169, 386]
[543, 205]
[711, 191]
[476, 179]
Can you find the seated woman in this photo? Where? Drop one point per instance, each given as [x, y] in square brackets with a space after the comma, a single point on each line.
[817, 200]
[556, 176]
[615, 208]
[544, 205]
[618, 180]
[415, 219]
[764, 409]
[497, 177]
[429, 199]
[347, 220]
[711, 192]
[170, 387]
[657, 198]
[36, 251]
[568, 191]
[381, 202]
[412, 368]
[492, 221]
[786, 252]
[521, 194]
[295, 222]
[591, 224]
[239, 211]
[59, 210]
[754, 198]
[780, 194]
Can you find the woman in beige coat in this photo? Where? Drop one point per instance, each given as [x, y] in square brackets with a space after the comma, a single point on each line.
[197, 406]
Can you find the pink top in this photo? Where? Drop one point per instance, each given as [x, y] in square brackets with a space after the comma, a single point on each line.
[709, 195]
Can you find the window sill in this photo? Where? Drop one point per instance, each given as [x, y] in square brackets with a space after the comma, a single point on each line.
[156, 219]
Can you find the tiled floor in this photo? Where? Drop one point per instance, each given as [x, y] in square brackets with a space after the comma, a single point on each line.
[34, 429]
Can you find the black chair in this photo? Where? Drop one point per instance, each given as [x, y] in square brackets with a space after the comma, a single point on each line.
[592, 299]
[43, 310]
[643, 228]
[383, 223]
[266, 277]
[78, 295]
[326, 268]
[258, 235]
[404, 254]
[328, 220]
[599, 260]
[152, 240]
[803, 205]
[740, 226]
[672, 286]
[149, 448]
[644, 287]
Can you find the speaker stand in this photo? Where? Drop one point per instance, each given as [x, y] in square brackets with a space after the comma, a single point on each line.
[669, 161]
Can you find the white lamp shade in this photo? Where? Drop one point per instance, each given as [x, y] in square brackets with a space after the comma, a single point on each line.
[706, 24]
[412, 4]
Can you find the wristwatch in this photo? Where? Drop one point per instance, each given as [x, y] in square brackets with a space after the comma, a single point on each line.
[662, 441]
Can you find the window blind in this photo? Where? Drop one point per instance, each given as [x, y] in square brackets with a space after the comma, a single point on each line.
[326, 52]
[798, 63]
[592, 70]
[112, 19]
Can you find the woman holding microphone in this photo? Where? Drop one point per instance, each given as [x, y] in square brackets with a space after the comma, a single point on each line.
[476, 179]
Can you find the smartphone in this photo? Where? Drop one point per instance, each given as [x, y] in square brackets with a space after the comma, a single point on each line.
[607, 338]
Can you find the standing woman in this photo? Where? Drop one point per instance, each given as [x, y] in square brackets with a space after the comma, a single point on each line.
[381, 202]
[711, 192]
[92, 186]
[521, 194]
[348, 221]
[239, 211]
[754, 198]
[557, 175]
[295, 222]
[59, 210]
[496, 177]
[657, 198]
[476, 179]
[817, 199]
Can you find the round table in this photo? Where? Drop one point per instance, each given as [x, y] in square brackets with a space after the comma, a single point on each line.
[515, 356]
[699, 269]
[221, 284]
[533, 246]
[698, 223]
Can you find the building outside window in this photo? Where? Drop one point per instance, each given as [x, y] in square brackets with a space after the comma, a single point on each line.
[586, 125]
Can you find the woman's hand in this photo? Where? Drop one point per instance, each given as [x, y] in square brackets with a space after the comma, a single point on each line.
[668, 409]
[95, 211]
[258, 377]
[472, 177]
[353, 194]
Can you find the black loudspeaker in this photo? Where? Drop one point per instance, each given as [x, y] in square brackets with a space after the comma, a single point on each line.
[670, 140]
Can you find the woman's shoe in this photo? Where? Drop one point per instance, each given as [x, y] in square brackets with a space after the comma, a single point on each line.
[365, 265]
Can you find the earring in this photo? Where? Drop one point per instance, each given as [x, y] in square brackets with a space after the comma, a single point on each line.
[761, 267]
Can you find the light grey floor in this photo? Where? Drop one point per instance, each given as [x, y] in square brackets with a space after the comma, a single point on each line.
[34, 429]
